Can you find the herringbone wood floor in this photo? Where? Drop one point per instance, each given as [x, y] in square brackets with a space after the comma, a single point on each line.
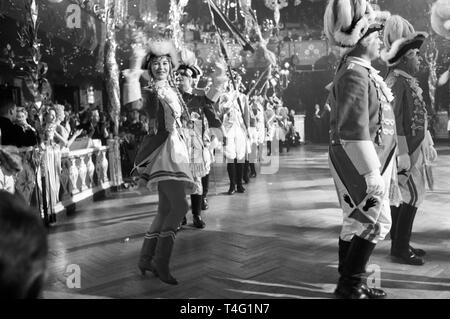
[278, 240]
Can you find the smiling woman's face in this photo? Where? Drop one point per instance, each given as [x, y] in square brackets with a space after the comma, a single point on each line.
[160, 68]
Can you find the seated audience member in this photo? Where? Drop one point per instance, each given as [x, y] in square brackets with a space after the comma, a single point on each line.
[288, 37]
[12, 134]
[94, 129]
[23, 249]
[10, 165]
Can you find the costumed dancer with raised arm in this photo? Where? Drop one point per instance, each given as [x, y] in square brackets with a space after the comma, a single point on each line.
[362, 141]
[235, 123]
[203, 117]
[271, 125]
[257, 133]
[162, 160]
[283, 126]
[415, 145]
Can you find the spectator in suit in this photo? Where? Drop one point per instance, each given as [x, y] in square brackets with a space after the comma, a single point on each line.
[13, 134]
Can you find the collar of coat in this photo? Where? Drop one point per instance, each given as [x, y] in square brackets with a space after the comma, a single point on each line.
[364, 63]
[374, 74]
[404, 74]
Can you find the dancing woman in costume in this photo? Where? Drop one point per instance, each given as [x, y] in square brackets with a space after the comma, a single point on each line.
[163, 161]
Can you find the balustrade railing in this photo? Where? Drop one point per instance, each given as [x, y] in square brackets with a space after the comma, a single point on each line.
[53, 179]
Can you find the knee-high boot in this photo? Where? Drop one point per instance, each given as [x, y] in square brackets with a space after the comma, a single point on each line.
[239, 177]
[343, 249]
[269, 148]
[205, 186]
[161, 261]
[402, 252]
[351, 285]
[147, 252]
[246, 173]
[394, 217]
[252, 170]
[231, 168]
[196, 204]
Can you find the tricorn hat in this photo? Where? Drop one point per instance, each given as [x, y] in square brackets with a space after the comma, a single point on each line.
[399, 39]
[188, 63]
[346, 22]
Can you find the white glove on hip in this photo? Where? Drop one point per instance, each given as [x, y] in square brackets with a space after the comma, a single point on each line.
[404, 162]
[375, 184]
[432, 154]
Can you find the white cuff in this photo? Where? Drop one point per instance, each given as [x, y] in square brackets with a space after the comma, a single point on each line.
[132, 86]
[214, 94]
[429, 138]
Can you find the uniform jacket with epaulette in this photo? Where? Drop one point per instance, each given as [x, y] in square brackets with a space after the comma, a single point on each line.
[362, 124]
[410, 112]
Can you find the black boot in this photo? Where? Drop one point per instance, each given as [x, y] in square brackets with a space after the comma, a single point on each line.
[205, 186]
[246, 173]
[160, 262]
[196, 201]
[231, 168]
[205, 205]
[394, 215]
[147, 252]
[351, 285]
[252, 170]
[401, 251]
[269, 148]
[239, 177]
[343, 249]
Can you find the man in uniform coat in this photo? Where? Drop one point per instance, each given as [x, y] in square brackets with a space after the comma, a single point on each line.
[362, 141]
[415, 145]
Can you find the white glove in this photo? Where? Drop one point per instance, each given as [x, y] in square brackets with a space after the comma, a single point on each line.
[432, 154]
[219, 76]
[137, 57]
[404, 162]
[375, 183]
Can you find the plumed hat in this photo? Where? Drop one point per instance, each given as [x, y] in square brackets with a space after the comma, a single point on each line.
[399, 39]
[161, 47]
[440, 18]
[346, 22]
[188, 62]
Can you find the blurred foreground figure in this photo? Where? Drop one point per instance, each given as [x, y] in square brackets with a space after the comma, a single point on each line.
[23, 249]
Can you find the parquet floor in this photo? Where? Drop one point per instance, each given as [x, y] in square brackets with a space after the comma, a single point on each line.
[278, 240]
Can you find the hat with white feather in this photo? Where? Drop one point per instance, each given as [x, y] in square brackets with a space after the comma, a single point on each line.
[188, 64]
[400, 39]
[440, 18]
[161, 47]
[346, 22]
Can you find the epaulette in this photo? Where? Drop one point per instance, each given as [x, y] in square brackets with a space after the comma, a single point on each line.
[394, 78]
[351, 66]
